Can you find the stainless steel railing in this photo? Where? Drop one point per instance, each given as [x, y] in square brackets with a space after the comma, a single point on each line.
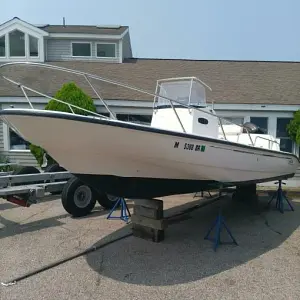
[88, 76]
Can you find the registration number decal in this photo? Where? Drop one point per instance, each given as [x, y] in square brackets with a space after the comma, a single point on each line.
[190, 147]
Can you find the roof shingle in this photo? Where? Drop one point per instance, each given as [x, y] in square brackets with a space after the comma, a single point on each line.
[245, 82]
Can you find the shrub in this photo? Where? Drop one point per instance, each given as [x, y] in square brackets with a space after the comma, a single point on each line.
[72, 94]
[293, 128]
[69, 93]
[8, 168]
[4, 160]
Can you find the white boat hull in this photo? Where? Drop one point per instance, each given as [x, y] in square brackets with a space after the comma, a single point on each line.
[114, 148]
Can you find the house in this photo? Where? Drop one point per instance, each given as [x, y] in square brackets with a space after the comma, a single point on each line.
[265, 93]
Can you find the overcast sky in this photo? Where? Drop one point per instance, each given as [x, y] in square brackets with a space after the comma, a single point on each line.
[190, 29]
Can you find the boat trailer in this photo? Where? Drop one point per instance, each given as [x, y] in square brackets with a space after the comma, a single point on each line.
[27, 189]
[30, 185]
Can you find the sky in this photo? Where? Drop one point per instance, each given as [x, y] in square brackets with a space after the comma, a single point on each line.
[267, 30]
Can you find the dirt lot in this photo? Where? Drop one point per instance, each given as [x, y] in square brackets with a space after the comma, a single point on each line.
[265, 264]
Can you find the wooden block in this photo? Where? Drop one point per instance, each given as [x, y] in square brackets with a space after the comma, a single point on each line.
[147, 233]
[150, 203]
[148, 212]
[147, 222]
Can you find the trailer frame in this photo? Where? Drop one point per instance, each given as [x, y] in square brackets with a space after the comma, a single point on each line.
[27, 189]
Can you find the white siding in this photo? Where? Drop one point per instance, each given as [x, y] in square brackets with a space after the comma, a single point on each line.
[127, 51]
[1, 137]
[21, 158]
[61, 50]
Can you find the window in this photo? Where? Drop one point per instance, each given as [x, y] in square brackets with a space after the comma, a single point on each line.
[286, 144]
[17, 43]
[33, 46]
[106, 50]
[2, 46]
[81, 49]
[16, 142]
[139, 119]
[261, 122]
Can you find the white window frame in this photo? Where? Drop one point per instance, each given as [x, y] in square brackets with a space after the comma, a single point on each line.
[5, 46]
[106, 43]
[27, 56]
[38, 46]
[294, 150]
[81, 42]
[25, 44]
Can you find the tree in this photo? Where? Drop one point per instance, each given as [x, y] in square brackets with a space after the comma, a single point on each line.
[69, 93]
[293, 128]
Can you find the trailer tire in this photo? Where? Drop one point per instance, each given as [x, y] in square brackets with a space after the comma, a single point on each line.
[27, 170]
[72, 200]
[51, 169]
[54, 168]
[107, 201]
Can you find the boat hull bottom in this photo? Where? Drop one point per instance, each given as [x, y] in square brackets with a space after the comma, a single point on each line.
[133, 188]
[136, 187]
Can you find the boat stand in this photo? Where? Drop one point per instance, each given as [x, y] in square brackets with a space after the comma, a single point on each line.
[280, 197]
[218, 223]
[202, 194]
[125, 213]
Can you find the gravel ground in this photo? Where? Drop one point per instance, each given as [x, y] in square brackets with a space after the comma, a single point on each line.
[265, 264]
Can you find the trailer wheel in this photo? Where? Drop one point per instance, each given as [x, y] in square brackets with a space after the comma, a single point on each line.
[77, 198]
[54, 168]
[107, 201]
[27, 170]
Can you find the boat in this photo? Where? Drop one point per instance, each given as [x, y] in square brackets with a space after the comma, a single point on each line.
[187, 147]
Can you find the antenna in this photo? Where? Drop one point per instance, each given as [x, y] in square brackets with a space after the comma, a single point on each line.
[64, 22]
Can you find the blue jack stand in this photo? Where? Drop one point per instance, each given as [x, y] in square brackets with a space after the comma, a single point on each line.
[280, 197]
[125, 213]
[217, 239]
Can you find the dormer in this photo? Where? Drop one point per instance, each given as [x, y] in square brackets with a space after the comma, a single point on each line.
[21, 41]
[99, 43]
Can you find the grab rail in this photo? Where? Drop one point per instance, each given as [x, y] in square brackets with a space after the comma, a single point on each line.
[263, 138]
[70, 105]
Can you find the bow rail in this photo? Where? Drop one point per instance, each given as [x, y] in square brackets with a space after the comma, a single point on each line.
[88, 76]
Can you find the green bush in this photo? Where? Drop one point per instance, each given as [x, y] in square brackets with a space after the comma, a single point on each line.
[8, 168]
[293, 128]
[4, 160]
[72, 94]
[37, 152]
[69, 93]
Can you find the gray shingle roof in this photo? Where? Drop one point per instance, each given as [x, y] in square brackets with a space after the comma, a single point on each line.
[231, 81]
